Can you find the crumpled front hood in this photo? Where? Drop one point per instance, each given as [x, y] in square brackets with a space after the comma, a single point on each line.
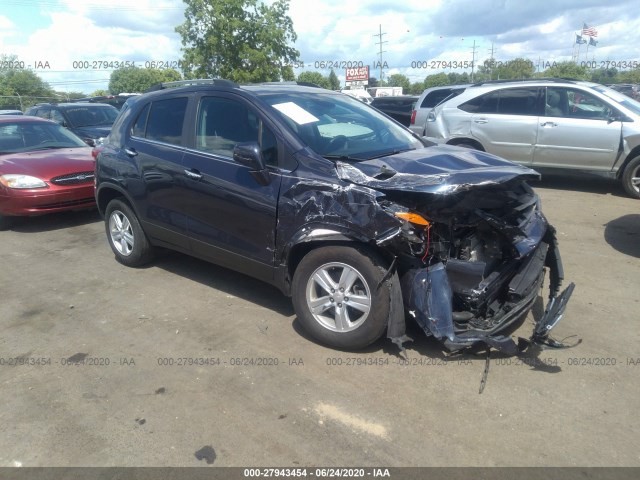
[441, 169]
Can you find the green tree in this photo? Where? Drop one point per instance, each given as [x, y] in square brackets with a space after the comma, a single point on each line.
[631, 76]
[516, 69]
[416, 88]
[567, 69]
[458, 78]
[100, 93]
[137, 80]
[20, 88]
[437, 80]
[334, 81]
[241, 40]
[399, 80]
[604, 75]
[314, 77]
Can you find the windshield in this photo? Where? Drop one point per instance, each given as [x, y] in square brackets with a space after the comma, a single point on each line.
[27, 137]
[338, 126]
[621, 98]
[92, 115]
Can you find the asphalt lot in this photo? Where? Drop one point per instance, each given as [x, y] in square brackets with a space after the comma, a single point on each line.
[187, 364]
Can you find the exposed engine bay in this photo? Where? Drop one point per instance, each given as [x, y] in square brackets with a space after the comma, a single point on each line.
[472, 264]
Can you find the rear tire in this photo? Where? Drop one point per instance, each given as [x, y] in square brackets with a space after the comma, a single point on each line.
[631, 178]
[336, 299]
[126, 237]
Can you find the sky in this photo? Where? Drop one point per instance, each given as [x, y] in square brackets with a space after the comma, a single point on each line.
[64, 41]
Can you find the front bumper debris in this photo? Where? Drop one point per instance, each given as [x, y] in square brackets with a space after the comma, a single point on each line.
[428, 294]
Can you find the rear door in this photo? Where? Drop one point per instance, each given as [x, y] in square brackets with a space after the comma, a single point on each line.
[155, 148]
[577, 131]
[505, 122]
[231, 216]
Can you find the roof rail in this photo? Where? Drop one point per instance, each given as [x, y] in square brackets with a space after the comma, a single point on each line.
[513, 80]
[199, 81]
[302, 84]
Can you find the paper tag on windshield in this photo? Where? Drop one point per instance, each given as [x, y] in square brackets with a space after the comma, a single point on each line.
[296, 113]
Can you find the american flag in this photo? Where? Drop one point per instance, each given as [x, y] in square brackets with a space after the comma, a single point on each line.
[589, 31]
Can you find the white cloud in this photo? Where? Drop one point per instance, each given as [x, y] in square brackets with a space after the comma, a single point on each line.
[328, 30]
[7, 29]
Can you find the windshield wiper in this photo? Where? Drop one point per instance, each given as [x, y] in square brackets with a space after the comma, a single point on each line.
[344, 158]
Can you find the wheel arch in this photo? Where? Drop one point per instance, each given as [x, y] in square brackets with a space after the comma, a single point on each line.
[107, 192]
[322, 237]
[471, 141]
[635, 152]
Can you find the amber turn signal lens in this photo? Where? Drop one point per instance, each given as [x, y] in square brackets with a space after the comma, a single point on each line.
[413, 218]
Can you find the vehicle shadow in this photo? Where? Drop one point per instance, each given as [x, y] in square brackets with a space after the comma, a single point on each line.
[228, 281]
[580, 182]
[53, 221]
[623, 234]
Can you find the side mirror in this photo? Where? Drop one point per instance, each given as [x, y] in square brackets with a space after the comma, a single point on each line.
[249, 155]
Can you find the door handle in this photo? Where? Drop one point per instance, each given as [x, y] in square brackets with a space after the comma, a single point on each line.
[130, 152]
[191, 174]
[481, 120]
[549, 124]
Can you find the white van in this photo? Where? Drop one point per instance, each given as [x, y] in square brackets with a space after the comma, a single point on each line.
[359, 93]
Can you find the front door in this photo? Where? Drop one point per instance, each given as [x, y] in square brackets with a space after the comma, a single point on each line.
[231, 216]
[577, 131]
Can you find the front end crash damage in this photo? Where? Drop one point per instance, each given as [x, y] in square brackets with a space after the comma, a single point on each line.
[471, 251]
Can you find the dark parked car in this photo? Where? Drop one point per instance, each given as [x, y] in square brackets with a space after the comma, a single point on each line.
[116, 101]
[89, 121]
[336, 205]
[44, 168]
[399, 107]
[629, 89]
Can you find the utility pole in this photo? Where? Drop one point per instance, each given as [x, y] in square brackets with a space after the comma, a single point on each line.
[491, 61]
[380, 42]
[473, 60]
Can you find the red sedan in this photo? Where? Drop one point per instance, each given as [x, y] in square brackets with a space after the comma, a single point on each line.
[44, 168]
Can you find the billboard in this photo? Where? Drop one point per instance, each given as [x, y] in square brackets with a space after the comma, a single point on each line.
[358, 74]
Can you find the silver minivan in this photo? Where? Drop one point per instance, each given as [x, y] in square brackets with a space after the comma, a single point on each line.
[546, 123]
[429, 99]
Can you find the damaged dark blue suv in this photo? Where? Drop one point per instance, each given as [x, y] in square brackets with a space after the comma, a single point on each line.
[356, 218]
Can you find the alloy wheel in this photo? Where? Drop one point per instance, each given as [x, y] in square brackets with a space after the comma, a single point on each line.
[121, 233]
[338, 297]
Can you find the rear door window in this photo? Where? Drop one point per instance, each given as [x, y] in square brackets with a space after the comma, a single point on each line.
[164, 122]
[508, 101]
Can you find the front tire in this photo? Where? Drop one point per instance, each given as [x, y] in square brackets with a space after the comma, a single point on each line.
[631, 178]
[5, 222]
[336, 297]
[126, 237]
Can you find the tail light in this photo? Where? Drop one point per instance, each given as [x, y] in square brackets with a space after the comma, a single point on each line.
[413, 117]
